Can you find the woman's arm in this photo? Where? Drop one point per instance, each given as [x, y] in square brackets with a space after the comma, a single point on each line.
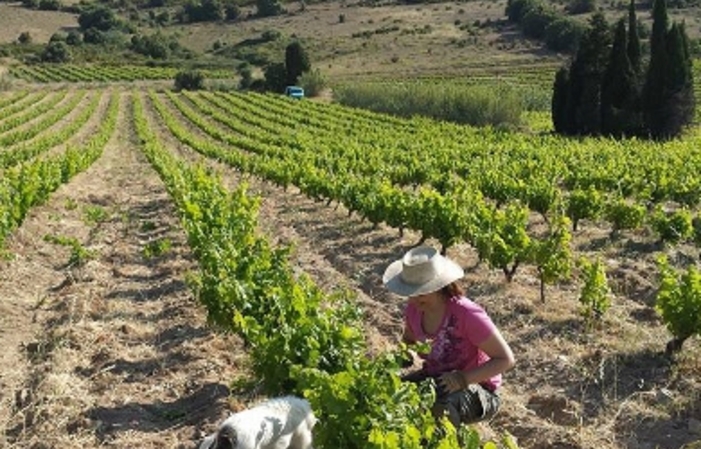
[501, 360]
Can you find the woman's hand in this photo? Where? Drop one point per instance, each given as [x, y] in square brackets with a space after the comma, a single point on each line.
[453, 381]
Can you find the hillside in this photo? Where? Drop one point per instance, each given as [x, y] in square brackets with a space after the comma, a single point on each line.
[348, 40]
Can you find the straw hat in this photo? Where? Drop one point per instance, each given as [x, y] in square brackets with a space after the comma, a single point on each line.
[422, 270]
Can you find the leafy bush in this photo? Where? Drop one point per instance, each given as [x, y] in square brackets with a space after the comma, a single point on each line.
[313, 82]
[50, 5]
[672, 227]
[94, 36]
[56, 52]
[189, 80]
[74, 38]
[98, 17]
[595, 296]
[679, 303]
[25, 38]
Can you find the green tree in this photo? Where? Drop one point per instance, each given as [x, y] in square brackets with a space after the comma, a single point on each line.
[668, 97]
[296, 62]
[559, 109]
[98, 17]
[275, 77]
[618, 89]
[189, 80]
[633, 44]
[267, 8]
[586, 73]
[56, 52]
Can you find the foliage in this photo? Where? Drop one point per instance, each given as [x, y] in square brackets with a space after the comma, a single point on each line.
[24, 38]
[313, 82]
[601, 93]
[679, 303]
[595, 295]
[99, 17]
[502, 239]
[624, 214]
[79, 254]
[584, 204]
[672, 227]
[57, 52]
[157, 248]
[189, 80]
[563, 34]
[275, 77]
[267, 8]
[552, 254]
[296, 62]
[94, 36]
[469, 104]
[201, 11]
[581, 6]
[155, 46]
[620, 98]
[246, 73]
[74, 38]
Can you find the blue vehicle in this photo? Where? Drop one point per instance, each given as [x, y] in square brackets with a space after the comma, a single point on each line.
[294, 92]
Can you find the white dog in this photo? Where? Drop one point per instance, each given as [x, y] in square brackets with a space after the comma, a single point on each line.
[279, 423]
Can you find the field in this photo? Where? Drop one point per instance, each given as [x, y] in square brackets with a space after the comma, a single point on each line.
[105, 344]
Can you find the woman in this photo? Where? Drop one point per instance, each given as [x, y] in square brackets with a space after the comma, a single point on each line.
[468, 353]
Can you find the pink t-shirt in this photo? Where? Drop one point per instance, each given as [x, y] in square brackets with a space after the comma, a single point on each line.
[454, 346]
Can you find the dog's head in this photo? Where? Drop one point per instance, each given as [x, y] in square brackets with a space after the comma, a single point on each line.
[225, 438]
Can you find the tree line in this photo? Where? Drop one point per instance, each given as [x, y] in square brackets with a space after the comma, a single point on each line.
[609, 88]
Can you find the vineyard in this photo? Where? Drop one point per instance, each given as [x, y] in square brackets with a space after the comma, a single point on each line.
[134, 222]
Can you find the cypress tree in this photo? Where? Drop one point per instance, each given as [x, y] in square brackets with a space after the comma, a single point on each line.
[668, 95]
[653, 95]
[617, 88]
[586, 73]
[296, 62]
[633, 46]
[561, 121]
[678, 102]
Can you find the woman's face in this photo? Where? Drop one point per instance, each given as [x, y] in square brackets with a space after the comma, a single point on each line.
[427, 302]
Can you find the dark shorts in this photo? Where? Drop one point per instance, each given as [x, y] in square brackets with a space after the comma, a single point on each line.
[473, 404]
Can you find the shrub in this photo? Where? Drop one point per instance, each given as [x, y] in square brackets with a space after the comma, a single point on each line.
[313, 82]
[56, 52]
[189, 80]
[49, 5]
[99, 17]
[246, 73]
[74, 38]
[94, 36]
[25, 38]
[58, 37]
[271, 35]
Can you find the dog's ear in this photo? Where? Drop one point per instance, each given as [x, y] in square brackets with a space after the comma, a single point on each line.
[226, 439]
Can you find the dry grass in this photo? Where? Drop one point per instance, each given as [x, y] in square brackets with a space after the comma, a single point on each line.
[14, 20]
[425, 39]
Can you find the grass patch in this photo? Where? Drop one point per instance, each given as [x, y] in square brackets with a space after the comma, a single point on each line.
[467, 104]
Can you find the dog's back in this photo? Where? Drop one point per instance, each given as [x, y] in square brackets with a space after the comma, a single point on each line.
[278, 423]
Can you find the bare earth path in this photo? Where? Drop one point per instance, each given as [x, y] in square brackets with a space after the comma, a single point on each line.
[115, 352]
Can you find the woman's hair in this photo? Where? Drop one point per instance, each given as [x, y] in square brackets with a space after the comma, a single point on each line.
[453, 289]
